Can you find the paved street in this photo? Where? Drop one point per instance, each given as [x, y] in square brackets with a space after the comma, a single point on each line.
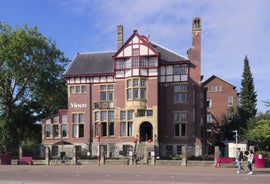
[40, 174]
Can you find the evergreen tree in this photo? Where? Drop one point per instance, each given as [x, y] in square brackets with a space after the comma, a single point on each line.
[247, 106]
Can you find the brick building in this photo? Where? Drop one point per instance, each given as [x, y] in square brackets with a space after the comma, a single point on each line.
[222, 100]
[140, 94]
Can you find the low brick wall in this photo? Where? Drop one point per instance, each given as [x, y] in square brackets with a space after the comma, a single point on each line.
[117, 162]
[169, 162]
[199, 163]
[87, 162]
[189, 163]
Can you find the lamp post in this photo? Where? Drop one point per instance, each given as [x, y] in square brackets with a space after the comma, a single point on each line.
[236, 140]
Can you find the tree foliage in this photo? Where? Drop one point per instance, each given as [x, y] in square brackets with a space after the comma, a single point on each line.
[258, 130]
[31, 85]
[223, 129]
[248, 97]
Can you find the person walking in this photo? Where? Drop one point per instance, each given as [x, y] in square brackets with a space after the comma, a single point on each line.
[239, 159]
[250, 157]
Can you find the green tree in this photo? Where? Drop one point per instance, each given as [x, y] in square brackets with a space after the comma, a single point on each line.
[248, 97]
[31, 85]
[258, 129]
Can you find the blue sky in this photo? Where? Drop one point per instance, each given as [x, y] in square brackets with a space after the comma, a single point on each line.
[230, 30]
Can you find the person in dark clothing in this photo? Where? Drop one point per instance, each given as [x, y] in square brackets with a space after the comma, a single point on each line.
[239, 160]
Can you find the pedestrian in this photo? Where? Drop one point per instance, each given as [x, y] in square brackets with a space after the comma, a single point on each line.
[239, 160]
[250, 157]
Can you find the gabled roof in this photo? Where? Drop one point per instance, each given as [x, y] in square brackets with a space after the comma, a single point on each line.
[91, 64]
[142, 39]
[101, 63]
[167, 55]
[215, 77]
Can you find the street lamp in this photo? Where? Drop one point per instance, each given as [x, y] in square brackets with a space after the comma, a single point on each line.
[236, 140]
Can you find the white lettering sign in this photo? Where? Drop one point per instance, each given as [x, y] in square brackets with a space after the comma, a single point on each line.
[75, 105]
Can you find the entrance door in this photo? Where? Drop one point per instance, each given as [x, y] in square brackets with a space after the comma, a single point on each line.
[146, 132]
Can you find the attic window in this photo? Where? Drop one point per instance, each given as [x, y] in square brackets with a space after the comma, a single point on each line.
[135, 52]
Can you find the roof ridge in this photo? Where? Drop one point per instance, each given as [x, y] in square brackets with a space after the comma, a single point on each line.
[96, 52]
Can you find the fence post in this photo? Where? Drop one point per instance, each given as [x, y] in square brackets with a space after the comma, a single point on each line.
[47, 155]
[216, 156]
[184, 156]
[74, 156]
[102, 156]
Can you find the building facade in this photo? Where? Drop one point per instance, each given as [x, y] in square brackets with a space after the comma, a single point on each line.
[140, 94]
[222, 100]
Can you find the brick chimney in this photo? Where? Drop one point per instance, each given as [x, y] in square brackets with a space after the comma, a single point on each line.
[194, 53]
[194, 56]
[120, 37]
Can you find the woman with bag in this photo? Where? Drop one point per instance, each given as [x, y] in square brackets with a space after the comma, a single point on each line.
[250, 157]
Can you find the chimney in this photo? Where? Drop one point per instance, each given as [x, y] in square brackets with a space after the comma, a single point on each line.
[194, 53]
[120, 36]
[196, 24]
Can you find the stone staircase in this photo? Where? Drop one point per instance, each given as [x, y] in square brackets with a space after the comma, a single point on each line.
[142, 152]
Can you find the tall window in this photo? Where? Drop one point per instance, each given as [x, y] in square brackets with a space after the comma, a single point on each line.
[126, 123]
[104, 123]
[180, 123]
[209, 133]
[135, 62]
[56, 130]
[209, 118]
[55, 121]
[136, 89]
[106, 93]
[47, 131]
[180, 93]
[209, 103]
[128, 63]
[178, 149]
[77, 125]
[64, 130]
[143, 62]
[230, 101]
[64, 125]
[169, 150]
